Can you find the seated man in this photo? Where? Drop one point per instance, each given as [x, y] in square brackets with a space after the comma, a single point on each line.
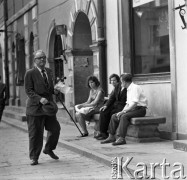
[135, 107]
[115, 104]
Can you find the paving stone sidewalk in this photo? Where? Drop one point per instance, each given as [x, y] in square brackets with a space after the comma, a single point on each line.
[147, 153]
[14, 161]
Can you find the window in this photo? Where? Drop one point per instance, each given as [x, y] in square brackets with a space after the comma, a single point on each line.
[151, 36]
[20, 57]
[31, 50]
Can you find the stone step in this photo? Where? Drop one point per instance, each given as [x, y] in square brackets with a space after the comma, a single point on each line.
[180, 145]
[14, 115]
[17, 109]
[18, 113]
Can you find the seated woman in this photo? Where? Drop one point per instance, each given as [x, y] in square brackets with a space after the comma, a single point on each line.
[95, 101]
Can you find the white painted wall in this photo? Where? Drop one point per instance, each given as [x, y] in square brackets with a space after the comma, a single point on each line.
[49, 11]
[159, 101]
[181, 68]
[112, 39]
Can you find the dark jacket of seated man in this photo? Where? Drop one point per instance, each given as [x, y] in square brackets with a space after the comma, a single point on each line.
[136, 105]
[115, 103]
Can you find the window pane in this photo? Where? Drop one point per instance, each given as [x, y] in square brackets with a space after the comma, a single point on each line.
[151, 35]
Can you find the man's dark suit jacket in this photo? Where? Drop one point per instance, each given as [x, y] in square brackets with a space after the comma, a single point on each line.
[117, 98]
[35, 89]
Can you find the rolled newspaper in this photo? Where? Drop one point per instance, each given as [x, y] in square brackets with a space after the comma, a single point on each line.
[60, 86]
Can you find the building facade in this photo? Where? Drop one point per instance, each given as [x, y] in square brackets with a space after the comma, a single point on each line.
[150, 44]
[21, 40]
[82, 37]
[2, 72]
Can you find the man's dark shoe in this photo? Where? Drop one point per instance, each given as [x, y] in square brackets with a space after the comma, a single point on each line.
[119, 141]
[103, 137]
[51, 154]
[34, 162]
[108, 140]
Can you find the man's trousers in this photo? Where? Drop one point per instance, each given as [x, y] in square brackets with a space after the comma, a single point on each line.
[119, 126]
[105, 117]
[36, 125]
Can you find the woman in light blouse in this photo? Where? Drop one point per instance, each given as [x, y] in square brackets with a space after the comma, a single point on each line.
[95, 101]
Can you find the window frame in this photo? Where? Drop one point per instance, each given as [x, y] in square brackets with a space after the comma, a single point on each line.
[163, 76]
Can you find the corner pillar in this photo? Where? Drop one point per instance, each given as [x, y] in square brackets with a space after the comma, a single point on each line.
[99, 62]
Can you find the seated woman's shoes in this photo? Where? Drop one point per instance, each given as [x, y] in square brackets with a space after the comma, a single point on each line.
[108, 140]
[51, 154]
[84, 134]
[119, 141]
[34, 162]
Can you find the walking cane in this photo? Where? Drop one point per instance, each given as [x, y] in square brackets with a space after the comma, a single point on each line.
[69, 114]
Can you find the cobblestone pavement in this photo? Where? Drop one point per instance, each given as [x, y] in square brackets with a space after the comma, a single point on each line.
[15, 163]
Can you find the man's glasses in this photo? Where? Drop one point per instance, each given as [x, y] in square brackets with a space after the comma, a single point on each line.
[42, 57]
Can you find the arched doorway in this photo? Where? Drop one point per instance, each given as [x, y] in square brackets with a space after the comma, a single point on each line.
[56, 58]
[58, 62]
[83, 57]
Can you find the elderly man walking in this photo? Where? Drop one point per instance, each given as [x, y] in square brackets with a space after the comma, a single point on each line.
[40, 109]
[135, 107]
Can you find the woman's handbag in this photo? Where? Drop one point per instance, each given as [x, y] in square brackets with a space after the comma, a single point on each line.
[84, 110]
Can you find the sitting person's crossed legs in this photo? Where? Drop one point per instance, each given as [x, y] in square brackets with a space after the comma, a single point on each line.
[118, 126]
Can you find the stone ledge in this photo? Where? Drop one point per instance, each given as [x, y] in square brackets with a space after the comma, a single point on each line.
[148, 120]
[180, 145]
[14, 115]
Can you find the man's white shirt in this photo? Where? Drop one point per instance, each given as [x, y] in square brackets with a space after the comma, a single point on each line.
[136, 94]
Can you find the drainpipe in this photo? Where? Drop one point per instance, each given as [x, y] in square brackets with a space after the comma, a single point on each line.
[120, 36]
[102, 44]
[6, 51]
[100, 7]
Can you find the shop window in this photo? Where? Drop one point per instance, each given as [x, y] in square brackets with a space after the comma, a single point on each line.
[20, 59]
[151, 36]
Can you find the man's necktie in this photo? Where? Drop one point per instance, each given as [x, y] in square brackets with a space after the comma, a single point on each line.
[45, 78]
[121, 91]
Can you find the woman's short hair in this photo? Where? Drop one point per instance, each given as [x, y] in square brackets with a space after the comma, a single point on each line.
[127, 77]
[114, 76]
[94, 79]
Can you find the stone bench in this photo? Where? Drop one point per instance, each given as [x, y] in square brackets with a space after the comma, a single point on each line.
[145, 129]
[141, 129]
